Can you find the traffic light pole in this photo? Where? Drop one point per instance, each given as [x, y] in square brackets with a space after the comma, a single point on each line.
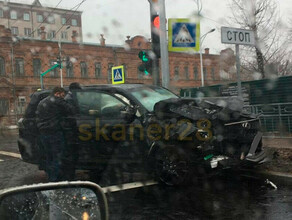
[155, 64]
[163, 45]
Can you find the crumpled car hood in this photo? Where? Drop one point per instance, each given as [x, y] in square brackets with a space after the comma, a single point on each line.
[225, 109]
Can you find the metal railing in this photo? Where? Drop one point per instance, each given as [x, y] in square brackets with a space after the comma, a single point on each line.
[276, 118]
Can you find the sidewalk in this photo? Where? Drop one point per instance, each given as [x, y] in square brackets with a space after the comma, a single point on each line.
[279, 151]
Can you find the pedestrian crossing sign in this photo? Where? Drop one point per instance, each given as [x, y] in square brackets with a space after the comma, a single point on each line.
[118, 75]
[183, 35]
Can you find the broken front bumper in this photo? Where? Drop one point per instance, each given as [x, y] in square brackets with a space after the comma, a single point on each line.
[255, 156]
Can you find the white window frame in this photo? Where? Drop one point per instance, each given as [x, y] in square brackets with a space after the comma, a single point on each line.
[63, 20]
[27, 32]
[51, 19]
[64, 35]
[14, 32]
[73, 23]
[26, 16]
[13, 15]
[40, 16]
[51, 35]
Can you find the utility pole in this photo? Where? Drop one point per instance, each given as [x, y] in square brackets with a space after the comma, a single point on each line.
[163, 45]
[60, 57]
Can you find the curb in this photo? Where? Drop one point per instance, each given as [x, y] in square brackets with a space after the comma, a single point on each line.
[283, 178]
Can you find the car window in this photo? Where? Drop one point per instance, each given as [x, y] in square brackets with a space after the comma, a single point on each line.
[148, 97]
[111, 107]
[99, 103]
[88, 101]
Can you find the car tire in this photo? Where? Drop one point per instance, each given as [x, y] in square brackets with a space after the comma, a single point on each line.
[172, 166]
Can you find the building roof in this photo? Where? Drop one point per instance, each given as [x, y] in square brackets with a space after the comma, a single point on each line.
[37, 3]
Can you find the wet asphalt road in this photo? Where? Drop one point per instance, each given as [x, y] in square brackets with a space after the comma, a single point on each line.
[232, 196]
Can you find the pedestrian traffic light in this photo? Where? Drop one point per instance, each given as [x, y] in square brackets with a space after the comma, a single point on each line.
[155, 35]
[147, 61]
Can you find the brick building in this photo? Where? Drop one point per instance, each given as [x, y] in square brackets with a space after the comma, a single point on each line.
[88, 64]
[25, 20]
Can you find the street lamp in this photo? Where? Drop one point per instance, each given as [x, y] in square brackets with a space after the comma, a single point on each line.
[202, 38]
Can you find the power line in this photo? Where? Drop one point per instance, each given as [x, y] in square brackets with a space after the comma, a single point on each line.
[46, 17]
[69, 17]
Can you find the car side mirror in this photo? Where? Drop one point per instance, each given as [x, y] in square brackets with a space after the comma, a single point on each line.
[62, 200]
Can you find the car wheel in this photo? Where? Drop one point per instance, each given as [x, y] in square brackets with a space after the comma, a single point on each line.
[172, 166]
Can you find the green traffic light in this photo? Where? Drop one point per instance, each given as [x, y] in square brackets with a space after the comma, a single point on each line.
[143, 56]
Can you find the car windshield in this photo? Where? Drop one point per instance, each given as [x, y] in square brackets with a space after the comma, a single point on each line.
[148, 97]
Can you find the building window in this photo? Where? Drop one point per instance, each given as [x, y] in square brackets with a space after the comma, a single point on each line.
[54, 72]
[27, 32]
[19, 67]
[14, 30]
[1, 13]
[51, 19]
[97, 70]
[4, 106]
[37, 68]
[26, 16]
[63, 20]
[13, 15]
[109, 72]
[74, 22]
[186, 70]
[39, 32]
[64, 35]
[176, 72]
[40, 18]
[51, 35]
[195, 73]
[2, 66]
[205, 73]
[69, 68]
[213, 73]
[83, 68]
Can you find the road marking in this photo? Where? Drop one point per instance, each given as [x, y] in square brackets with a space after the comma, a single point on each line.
[126, 186]
[10, 154]
[1, 160]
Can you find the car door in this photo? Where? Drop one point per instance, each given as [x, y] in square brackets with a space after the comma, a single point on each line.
[102, 129]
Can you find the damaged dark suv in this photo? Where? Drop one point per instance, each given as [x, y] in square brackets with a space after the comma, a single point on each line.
[146, 126]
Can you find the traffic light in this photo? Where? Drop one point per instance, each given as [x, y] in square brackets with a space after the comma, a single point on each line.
[59, 62]
[155, 35]
[147, 60]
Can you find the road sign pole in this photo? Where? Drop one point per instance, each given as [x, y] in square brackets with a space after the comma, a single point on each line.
[163, 45]
[238, 71]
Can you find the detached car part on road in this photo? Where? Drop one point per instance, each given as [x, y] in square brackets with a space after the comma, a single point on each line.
[136, 124]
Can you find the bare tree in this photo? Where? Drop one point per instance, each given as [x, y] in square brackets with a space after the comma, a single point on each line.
[262, 17]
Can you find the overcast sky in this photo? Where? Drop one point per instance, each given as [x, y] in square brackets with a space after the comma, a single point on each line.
[118, 18]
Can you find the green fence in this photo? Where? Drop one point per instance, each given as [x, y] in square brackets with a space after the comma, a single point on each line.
[265, 91]
[270, 98]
